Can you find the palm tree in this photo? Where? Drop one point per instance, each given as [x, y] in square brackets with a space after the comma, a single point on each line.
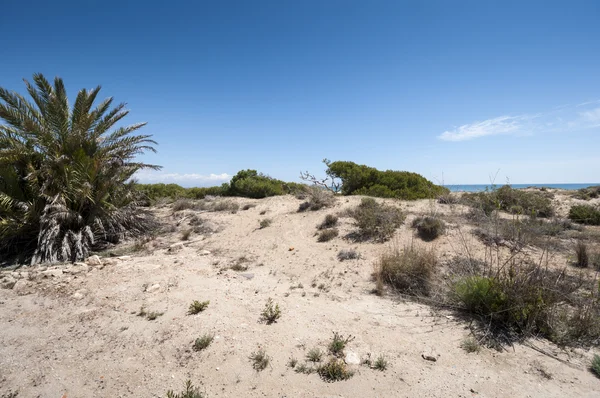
[65, 173]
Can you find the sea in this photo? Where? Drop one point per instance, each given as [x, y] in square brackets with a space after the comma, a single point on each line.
[482, 187]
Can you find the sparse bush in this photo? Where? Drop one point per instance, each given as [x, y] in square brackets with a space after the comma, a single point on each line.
[189, 392]
[410, 271]
[334, 370]
[470, 345]
[348, 254]
[271, 313]
[429, 227]
[330, 221]
[376, 221]
[587, 193]
[585, 214]
[292, 362]
[225, 205]
[583, 258]
[183, 204]
[265, 223]
[448, 199]
[516, 201]
[305, 369]
[338, 343]
[197, 307]
[202, 342]
[314, 355]
[149, 315]
[381, 363]
[327, 234]
[595, 368]
[303, 206]
[240, 264]
[260, 360]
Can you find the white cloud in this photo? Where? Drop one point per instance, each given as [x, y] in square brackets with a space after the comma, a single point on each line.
[495, 126]
[592, 116]
[565, 118]
[188, 179]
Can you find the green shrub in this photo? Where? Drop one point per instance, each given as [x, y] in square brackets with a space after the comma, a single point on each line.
[314, 355]
[363, 180]
[376, 221]
[348, 254]
[327, 234]
[64, 173]
[470, 345]
[251, 184]
[410, 271]
[380, 364]
[429, 227]
[516, 201]
[585, 214]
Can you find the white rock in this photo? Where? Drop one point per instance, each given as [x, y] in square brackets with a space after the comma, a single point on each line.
[7, 282]
[77, 296]
[176, 246]
[352, 358]
[22, 287]
[94, 260]
[153, 288]
[80, 268]
[55, 273]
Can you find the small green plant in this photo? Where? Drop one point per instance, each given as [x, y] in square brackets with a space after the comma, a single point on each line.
[429, 227]
[596, 365]
[338, 343]
[189, 392]
[260, 360]
[265, 223]
[327, 234]
[271, 313]
[380, 363]
[330, 221]
[314, 355]
[470, 345]
[203, 341]
[583, 257]
[334, 370]
[197, 307]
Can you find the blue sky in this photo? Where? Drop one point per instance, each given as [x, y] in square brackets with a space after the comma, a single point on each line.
[452, 90]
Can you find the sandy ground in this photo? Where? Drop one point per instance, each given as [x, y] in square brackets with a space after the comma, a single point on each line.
[72, 330]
